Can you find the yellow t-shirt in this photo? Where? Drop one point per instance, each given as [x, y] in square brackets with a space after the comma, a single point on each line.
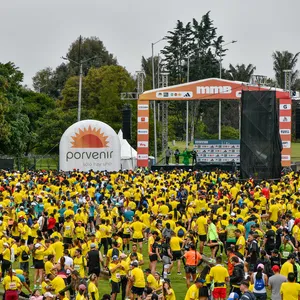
[241, 241]
[11, 283]
[170, 296]
[92, 288]
[6, 254]
[115, 276]
[138, 228]
[201, 222]
[290, 291]
[58, 249]
[68, 229]
[79, 265]
[175, 243]
[48, 267]
[287, 268]
[58, 284]
[20, 250]
[139, 279]
[192, 293]
[219, 274]
[151, 281]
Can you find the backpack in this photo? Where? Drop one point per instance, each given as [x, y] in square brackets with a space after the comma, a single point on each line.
[248, 295]
[180, 233]
[24, 255]
[259, 284]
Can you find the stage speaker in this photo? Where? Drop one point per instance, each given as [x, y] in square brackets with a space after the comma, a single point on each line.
[260, 139]
[297, 123]
[126, 125]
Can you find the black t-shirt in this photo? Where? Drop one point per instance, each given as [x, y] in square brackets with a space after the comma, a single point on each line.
[93, 259]
[271, 238]
[164, 249]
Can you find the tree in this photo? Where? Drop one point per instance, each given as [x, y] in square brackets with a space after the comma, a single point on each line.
[84, 49]
[240, 72]
[284, 60]
[199, 42]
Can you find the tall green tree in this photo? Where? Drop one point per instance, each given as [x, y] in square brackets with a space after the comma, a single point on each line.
[284, 60]
[15, 131]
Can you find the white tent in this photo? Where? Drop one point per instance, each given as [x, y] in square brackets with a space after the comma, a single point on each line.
[128, 154]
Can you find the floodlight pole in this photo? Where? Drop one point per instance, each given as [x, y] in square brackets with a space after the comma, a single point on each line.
[154, 104]
[220, 101]
[187, 105]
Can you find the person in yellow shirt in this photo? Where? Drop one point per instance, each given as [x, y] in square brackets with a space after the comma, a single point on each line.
[80, 231]
[93, 287]
[126, 233]
[49, 264]
[168, 292]
[138, 228]
[23, 254]
[290, 290]
[288, 266]
[240, 241]
[193, 291]
[138, 281]
[201, 227]
[114, 268]
[57, 283]
[11, 284]
[58, 247]
[38, 254]
[68, 229]
[80, 263]
[175, 245]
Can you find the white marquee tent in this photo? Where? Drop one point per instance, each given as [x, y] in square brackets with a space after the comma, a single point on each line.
[128, 154]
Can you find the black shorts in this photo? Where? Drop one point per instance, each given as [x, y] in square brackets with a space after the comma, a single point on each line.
[94, 271]
[6, 264]
[153, 257]
[137, 240]
[67, 240]
[115, 287]
[190, 269]
[176, 255]
[203, 292]
[203, 238]
[38, 264]
[214, 241]
[137, 290]
[125, 236]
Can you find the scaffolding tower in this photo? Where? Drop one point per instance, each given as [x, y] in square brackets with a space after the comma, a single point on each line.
[164, 112]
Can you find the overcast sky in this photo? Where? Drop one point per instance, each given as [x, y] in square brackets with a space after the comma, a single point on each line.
[36, 33]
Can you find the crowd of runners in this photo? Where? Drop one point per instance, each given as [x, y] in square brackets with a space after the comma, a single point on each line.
[142, 232]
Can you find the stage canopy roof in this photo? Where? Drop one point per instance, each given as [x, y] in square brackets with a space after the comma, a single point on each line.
[208, 89]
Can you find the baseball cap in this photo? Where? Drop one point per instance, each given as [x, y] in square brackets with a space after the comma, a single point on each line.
[200, 280]
[115, 257]
[93, 245]
[239, 220]
[233, 296]
[82, 287]
[135, 263]
[37, 245]
[275, 268]
[147, 271]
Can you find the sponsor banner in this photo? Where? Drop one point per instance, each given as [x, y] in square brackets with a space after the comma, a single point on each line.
[143, 119]
[285, 119]
[285, 106]
[285, 157]
[143, 107]
[286, 144]
[142, 157]
[174, 95]
[143, 131]
[142, 144]
[285, 131]
[90, 145]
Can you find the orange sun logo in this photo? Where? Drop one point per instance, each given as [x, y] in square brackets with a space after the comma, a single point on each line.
[89, 138]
